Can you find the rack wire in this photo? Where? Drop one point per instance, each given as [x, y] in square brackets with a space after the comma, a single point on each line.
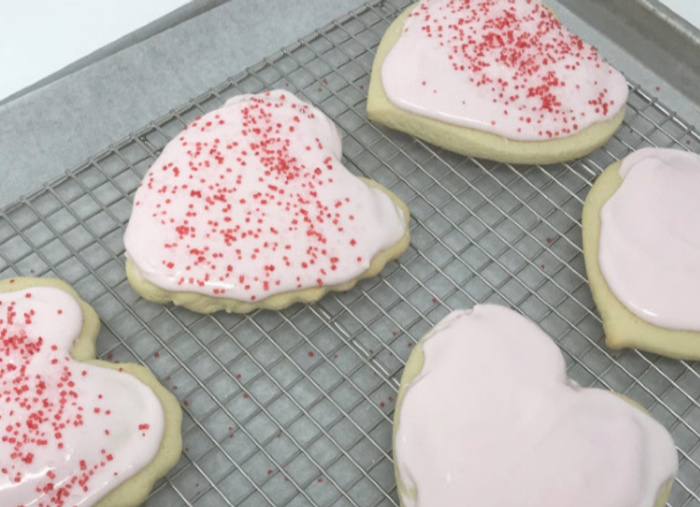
[295, 407]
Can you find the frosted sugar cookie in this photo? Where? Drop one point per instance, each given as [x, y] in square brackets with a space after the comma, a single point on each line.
[501, 80]
[486, 415]
[641, 242]
[75, 430]
[250, 207]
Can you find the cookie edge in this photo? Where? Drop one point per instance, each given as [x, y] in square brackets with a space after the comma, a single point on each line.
[203, 303]
[623, 329]
[472, 142]
[134, 490]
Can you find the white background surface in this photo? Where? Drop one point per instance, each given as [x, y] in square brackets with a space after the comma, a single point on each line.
[40, 37]
[689, 9]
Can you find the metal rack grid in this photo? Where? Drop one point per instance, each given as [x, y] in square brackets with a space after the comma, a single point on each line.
[295, 407]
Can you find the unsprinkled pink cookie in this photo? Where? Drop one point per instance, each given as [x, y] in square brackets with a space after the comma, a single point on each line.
[250, 207]
[75, 430]
[641, 244]
[502, 80]
[486, 415]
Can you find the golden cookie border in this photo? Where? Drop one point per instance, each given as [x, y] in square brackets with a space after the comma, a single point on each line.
[623, 329]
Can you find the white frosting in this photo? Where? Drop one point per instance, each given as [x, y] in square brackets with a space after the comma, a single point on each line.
[70, 432]
[492, 420]
[505, 67]
[649, 251]
[252, 200]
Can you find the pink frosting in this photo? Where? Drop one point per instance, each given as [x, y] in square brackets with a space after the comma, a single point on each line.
[493, 420]
[506, 67]
[252, 200]
[71, 431]
[649, 251]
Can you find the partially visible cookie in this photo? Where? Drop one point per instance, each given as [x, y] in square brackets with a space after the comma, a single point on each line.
[641, 243]
[486, 415]
[497, 80]
[75, 430]
[251, 207]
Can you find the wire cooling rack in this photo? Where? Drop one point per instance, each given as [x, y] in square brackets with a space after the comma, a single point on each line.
[295, 407]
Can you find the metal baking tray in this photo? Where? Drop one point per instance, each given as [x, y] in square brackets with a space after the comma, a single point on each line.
[295, 407]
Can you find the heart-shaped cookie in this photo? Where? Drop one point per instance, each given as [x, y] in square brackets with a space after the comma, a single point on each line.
[250, 207]
[498, 79]
[487, 416]
[641, 244]
[75, 430]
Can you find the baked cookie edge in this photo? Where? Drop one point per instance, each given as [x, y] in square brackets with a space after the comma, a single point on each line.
[471, 142]
[623, 329]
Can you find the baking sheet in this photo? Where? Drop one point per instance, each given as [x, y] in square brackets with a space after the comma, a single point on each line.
[295, 407]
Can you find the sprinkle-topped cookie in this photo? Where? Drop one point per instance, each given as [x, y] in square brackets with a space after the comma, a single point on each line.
[252, 200]
[496, 79]
[507, 67]
[70, 431]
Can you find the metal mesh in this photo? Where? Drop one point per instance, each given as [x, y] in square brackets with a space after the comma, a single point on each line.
[295, 407]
